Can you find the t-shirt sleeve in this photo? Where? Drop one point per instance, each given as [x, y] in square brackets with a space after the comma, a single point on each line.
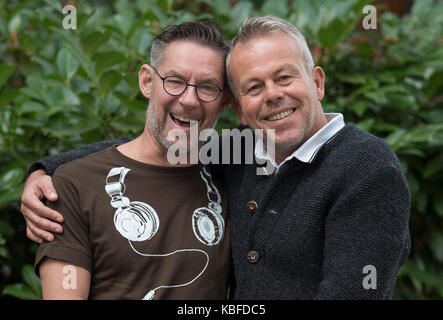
[51, 163]
[73, 245]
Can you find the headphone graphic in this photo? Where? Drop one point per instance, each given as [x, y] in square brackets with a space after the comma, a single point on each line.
[207, 222]
[138, 221]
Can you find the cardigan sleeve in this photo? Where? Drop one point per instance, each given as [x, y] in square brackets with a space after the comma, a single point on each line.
[367, 238]
[51, 163]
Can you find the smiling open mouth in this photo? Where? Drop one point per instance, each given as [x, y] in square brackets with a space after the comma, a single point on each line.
[182, 121]
[281, 115]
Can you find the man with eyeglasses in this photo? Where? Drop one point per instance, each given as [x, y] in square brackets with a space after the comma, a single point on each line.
[135, 226]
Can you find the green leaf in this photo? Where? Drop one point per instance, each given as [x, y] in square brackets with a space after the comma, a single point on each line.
[366, 125]
[47, 66]
[352, 78]
[68, 131]
[6, 228]
[105, 60]
[8, 96]
[365, 49]
[239, 13]
[424, 133]
[11, 179]
[6, 70]
[67, 65]
[126, 126]
[19, 290]
[340, 19]
[15, 23]
[436, 245]
[83, 18]
[277, 8]
[4, 253]
[54, 4]
[154, 12]
[411, 152]
[423, 276]
[108, 81]
[31, 107]
[433, 167]
[93, 41]
[141, 40]
[74, 48]
[360, 107]
[438, 204]
[221, 7]
[31, 279]
[123, 22]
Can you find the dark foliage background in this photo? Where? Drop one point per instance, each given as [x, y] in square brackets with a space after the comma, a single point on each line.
[60, 89]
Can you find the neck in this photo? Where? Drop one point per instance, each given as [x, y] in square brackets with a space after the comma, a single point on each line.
[282, 153]
[147, 150]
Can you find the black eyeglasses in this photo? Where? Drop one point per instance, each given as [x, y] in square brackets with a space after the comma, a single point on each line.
[175, 86]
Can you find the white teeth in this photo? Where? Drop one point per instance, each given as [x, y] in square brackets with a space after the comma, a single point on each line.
[280, 115]
[181, 119]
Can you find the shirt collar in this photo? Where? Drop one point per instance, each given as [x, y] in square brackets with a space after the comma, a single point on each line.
[307, 151]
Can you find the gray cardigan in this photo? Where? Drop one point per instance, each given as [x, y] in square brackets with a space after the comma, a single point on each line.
[335, 228]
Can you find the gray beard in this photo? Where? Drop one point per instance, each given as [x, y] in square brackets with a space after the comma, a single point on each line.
[157, 127]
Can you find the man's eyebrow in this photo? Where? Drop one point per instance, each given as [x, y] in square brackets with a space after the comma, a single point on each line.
[250, 80]
[210, 80]
[172, 73]
[285, 67]
[244, 85]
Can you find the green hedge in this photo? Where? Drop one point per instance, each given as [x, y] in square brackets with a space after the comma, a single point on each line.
[60, 89]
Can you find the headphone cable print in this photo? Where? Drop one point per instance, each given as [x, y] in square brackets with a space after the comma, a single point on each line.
[150, 295]
[211, 189]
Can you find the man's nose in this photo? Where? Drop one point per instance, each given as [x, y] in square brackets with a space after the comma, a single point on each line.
[189, 97]
[273, 92]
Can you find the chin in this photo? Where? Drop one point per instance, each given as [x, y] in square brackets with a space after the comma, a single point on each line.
[288, 143]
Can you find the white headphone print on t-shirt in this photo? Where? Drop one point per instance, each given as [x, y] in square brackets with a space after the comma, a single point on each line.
[138, 221]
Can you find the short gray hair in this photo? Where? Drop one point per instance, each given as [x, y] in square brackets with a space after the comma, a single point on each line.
[205, 33]
[260, 26]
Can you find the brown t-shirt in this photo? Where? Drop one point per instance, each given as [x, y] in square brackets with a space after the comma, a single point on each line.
[142, 231]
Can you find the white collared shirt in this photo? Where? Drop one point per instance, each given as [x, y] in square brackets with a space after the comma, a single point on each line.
[307, 150]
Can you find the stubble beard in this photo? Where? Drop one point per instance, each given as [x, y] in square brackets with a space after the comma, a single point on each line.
[157, 126]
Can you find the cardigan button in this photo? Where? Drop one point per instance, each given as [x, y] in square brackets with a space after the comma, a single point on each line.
[253, 256]
[252, 206]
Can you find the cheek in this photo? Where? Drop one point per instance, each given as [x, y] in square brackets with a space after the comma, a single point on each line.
[212, 111]
[251, 107]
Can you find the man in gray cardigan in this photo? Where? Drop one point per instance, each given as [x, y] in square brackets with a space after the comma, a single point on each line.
[331, 219]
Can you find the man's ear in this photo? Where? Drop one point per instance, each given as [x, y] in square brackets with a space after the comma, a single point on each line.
[145, 77]
[318, 76]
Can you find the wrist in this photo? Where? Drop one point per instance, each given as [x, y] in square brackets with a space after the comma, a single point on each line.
[36, 166]
[37, 173]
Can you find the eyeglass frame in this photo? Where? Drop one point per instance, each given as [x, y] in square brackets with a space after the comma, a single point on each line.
[186, 86]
